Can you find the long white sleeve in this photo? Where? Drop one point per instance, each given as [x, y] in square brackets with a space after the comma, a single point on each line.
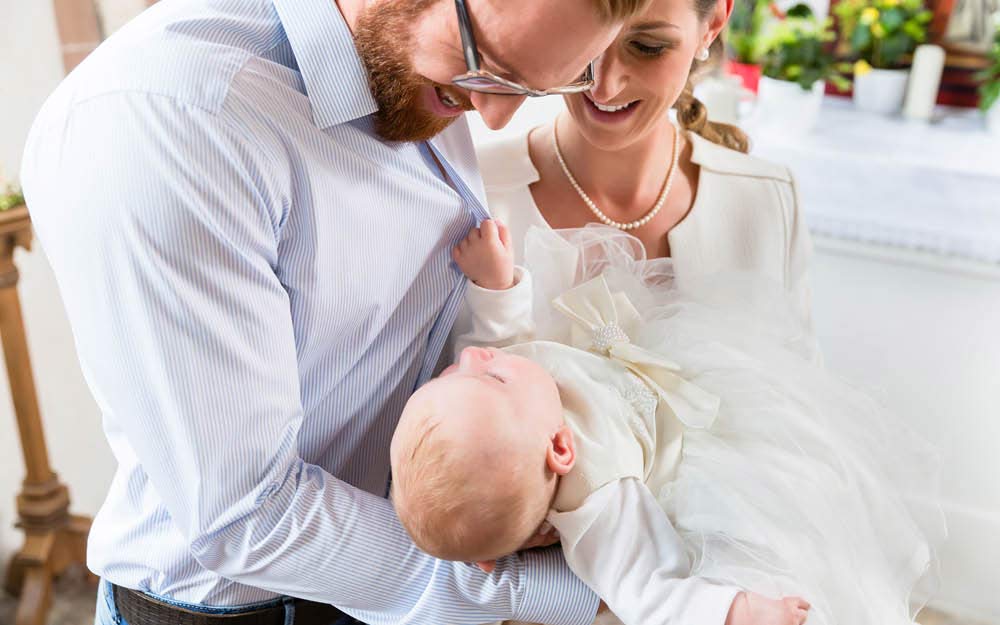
[621, 544]
[497, 318]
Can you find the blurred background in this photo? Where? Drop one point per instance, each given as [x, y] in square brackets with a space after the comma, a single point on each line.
[885, 110]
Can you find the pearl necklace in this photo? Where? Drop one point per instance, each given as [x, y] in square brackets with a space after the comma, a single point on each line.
[632, 225]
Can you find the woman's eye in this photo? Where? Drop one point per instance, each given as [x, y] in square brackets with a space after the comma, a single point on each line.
[649, 50]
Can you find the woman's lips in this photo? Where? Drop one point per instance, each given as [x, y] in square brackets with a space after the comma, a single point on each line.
[610, 117]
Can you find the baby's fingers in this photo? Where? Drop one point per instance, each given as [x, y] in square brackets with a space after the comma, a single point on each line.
[504, 234]
[488, 230]
[461, 248]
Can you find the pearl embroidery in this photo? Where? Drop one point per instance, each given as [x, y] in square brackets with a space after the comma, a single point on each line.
[642, 399]
[606, 336]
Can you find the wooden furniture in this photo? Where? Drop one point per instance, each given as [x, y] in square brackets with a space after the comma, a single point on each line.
[53, 538]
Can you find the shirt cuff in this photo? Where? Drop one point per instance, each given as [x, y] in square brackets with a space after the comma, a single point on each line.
[513, 299]
[553, 595]
[710, 603]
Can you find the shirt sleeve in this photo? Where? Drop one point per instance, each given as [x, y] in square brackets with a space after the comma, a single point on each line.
[161, 222]
[497, 318]
[623, 546]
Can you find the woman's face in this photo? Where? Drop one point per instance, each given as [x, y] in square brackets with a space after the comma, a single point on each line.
[642, 74]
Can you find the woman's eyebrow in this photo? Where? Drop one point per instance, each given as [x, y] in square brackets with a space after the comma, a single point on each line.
[644, 26]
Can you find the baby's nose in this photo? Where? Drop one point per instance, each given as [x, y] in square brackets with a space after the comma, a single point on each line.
[472, 356]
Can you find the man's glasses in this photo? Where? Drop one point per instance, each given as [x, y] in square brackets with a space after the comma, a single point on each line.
[477, 79]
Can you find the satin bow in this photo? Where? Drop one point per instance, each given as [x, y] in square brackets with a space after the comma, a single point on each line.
[601, 320]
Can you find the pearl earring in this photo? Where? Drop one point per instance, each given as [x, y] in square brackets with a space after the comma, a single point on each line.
[702, 54]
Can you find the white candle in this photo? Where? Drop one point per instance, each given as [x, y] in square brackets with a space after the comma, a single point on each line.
[925, 79]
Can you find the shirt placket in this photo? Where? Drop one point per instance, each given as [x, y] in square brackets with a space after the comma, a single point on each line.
[446, 318]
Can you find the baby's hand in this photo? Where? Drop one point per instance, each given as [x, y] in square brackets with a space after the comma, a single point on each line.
[749, 608]
[485, 256]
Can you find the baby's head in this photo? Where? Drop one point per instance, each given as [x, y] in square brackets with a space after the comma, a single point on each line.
[477, 456]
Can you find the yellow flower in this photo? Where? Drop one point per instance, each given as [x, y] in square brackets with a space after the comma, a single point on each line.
[878, 30]
[869, 15]
[891, 3]
[861, 68]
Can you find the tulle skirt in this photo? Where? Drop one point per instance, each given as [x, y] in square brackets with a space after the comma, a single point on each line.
[804, 485]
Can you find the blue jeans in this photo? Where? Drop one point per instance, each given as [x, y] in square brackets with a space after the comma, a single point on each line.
[107, 612]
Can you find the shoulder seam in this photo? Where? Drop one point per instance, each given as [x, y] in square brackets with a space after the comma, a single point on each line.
[785, 177]
[180, 101]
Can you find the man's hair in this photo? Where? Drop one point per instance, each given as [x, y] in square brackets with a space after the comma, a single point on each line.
[615, 10]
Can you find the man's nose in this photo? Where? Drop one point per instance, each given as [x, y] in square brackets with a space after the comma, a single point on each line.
[496, 110]
[610, 78]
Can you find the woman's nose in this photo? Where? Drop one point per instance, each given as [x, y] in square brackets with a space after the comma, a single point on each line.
[496, 110]
[610, 78]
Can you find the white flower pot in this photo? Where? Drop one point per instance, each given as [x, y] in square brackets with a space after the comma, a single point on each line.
[993, 119]
[787, 107]
[880, 90]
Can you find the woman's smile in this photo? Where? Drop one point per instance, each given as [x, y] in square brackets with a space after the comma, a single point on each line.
[610, 113]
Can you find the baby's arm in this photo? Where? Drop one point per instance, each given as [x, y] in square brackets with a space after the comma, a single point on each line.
[499, 298]
[621, 544]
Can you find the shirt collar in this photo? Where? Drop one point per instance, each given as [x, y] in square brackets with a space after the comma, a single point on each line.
[335, 78]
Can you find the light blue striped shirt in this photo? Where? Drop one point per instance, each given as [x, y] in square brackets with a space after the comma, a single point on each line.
[255, 285]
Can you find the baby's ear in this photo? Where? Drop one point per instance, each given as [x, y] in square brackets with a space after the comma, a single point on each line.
[562, 451]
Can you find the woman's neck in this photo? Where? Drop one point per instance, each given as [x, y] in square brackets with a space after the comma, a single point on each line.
[626, 182]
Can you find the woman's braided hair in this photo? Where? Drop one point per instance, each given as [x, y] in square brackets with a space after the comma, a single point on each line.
[692, 114]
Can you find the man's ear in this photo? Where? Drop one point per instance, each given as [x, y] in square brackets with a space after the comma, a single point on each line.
[562, 451]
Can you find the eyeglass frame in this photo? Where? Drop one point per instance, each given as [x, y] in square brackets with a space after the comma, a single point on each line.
[475, 71]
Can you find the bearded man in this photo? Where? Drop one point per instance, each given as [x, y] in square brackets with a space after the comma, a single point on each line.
[249, 207]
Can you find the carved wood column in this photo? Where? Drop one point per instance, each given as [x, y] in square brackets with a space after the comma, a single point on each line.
[53, 538]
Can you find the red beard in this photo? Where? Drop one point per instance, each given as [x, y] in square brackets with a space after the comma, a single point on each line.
[383, 38]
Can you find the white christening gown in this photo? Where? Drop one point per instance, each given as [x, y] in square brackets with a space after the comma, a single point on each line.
[713, 452]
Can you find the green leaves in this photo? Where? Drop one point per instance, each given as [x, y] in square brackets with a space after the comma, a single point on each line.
[861, 39]
[989, 90]
[883, 32]
[892, 19]
[743, 30]
[798, 49]
[10, 198]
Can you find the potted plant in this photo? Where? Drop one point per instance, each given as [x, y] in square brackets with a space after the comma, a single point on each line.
[10, 197]
[798, 60]
[742, 39]
[882, 35]
[989, 90]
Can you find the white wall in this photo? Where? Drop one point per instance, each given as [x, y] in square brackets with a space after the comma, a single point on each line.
[114, 13]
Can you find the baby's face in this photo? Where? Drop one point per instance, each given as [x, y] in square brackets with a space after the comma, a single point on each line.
[502, 380]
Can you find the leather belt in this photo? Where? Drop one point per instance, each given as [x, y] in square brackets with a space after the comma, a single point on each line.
[137, 608]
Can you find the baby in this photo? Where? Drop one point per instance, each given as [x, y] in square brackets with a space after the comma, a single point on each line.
[494, 450]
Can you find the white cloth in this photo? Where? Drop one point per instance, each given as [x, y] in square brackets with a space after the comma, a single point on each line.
[930, 187]
[614, 533]
[746, 214]
[797, 485]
